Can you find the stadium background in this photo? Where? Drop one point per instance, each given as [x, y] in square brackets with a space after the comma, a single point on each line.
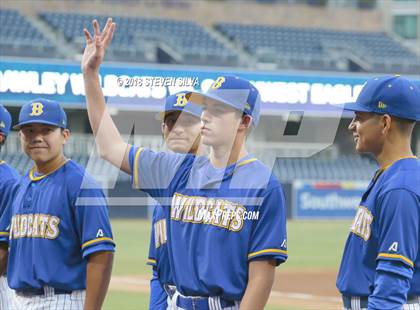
[304, 56]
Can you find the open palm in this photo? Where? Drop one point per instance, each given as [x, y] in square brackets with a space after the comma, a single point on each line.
[95, 47]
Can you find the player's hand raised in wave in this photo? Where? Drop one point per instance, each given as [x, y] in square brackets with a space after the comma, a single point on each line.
[96, 46]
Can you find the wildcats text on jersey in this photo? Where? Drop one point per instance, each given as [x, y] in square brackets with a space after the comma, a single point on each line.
[211, 211]
[362, 223]
[160, 233]
[34, 226]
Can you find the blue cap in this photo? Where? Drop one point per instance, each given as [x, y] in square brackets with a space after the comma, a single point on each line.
[393, 95]
[42, 111]
[5, 120]
[232, 91]
[178, 102]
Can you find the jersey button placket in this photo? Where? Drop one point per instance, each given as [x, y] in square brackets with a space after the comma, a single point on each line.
[28, 196]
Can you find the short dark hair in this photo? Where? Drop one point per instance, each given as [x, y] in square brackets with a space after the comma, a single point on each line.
[404, 125]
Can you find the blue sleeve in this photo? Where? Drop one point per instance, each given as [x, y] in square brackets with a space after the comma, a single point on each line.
[398, 225]
[7, 194]
[269, 239]
[152, 252]
[390, 289]
[92, 222]
[158, 296]
[152, 171]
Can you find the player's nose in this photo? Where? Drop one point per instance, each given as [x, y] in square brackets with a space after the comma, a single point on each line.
[205, 117]
[352, 125]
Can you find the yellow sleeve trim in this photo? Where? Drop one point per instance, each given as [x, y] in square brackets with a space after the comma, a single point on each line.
[397, 256]
[152, 261]
[243, 163]
[96, 240]
[267, 251]
[4, 233]
[136, 168]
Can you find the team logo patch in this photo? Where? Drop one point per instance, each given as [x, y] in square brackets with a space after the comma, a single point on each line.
[393, 247]
[100, 233]
[181, 101]
[362, 223]
[381, 105]
[2, 125]
[37, 109]
[218, 83]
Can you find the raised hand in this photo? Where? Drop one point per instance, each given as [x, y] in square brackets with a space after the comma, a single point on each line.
[95, 47]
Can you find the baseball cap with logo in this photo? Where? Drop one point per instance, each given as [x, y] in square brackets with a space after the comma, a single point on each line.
[232, 91]
[393, 95]
[42, 111]
[178, 102]
[5, 121]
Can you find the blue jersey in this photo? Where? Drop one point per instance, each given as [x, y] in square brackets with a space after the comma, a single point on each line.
[217, 220]
[56, 221]
[386, 228]
[158, 251]
[8, 180]
[158, 259]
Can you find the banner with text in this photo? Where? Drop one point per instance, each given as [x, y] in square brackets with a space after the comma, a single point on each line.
[128, 86]
[326, 199]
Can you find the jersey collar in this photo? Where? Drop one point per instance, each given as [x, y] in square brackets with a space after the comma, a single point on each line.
[380, 171]
[34, 178]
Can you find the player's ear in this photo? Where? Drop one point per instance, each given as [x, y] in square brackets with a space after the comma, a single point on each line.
[386, 123]
[66, 134]
[246, 121]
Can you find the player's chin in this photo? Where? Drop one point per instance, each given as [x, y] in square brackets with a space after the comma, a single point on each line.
[40, 156]
[360, 148]
[178, 146]
[207, 140]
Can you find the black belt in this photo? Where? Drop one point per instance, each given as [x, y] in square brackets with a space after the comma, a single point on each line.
[360, 302]
[42, 291]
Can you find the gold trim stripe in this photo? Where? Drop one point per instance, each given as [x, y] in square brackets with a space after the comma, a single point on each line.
[267, 251]
[136, 168]
[387, 255]
[96, 240]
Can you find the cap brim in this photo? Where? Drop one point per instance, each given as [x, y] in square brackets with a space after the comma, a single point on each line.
[161, 115]
[20, 125]
[355, 107]
[199, 98]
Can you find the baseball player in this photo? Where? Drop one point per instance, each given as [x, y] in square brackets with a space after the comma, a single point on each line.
[60, 239]
[8, 180]
[181, 132]
[380, 264]
[219, 257]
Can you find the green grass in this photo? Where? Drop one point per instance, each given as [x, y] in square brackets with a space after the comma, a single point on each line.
[117, 300]
[316, 244]
[132, 239]
[311, 244]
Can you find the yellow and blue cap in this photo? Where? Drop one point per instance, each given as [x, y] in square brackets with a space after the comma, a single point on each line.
[42, 111]
[393, 95]
[232, 91]
[5, 121]
[179, 102]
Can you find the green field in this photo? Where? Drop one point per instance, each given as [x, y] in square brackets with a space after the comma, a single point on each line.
[311, 245]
